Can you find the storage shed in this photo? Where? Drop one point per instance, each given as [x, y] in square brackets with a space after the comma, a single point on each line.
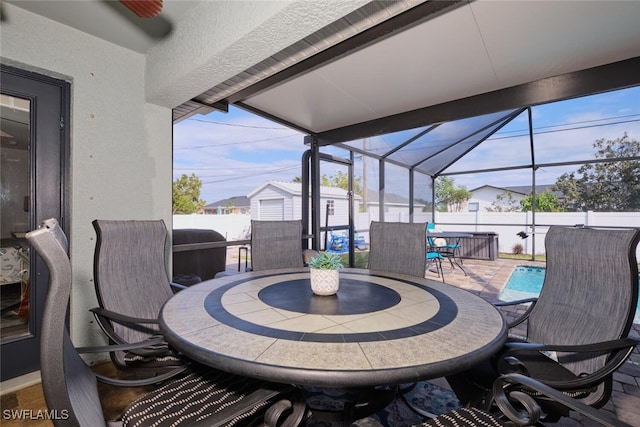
[275, 200]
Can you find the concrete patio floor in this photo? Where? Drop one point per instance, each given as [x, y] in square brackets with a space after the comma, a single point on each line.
[487, 279]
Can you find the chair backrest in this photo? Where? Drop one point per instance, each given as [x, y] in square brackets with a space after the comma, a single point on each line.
[430, 227]
[398, 247]
[69, 385]
[129, 270]
[590, 290]
[276, 244]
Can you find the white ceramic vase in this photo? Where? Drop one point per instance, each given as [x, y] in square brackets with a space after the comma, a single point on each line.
[324, 282]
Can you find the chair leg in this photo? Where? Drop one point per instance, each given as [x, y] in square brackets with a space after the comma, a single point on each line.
[439, 270]
[456, 252]
[451, 258]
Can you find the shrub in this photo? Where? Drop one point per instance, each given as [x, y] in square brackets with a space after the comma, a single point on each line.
[517, 249]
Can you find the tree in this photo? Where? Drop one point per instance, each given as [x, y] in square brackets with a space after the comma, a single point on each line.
[427, 204]
[450, 198]
[605, 186]
[341, 180]
[505, 202]
[545, 202]
[186, 195]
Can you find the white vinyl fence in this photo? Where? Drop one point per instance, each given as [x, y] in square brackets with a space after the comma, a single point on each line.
[505, 224]
[232, 227]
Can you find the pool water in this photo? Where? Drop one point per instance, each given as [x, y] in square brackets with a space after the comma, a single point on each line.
[526, 282]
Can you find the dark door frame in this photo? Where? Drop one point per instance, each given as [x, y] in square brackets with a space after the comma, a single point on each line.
[49, 195]
[311, 181]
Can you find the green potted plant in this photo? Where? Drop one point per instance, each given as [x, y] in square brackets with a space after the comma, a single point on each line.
[324, 273]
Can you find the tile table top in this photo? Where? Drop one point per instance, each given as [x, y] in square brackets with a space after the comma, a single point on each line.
[380, 328]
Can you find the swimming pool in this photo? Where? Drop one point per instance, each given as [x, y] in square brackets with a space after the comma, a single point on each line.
[526, 282]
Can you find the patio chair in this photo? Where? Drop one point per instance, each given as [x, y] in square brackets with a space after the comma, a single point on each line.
[132, 284]
[513, 407]
[577, 330]
[398, 247]
[436, 258]
[276, 244]
[201, 396]
[446, 249]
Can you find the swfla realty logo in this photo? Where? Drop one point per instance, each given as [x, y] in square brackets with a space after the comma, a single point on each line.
[32, 415]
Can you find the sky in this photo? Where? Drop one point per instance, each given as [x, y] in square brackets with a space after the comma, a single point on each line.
[234, 153]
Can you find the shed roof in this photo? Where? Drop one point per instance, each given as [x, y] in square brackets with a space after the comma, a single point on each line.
[295, 189]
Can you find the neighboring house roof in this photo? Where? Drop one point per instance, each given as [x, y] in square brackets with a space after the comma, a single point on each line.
[295, 188]
[236, 202]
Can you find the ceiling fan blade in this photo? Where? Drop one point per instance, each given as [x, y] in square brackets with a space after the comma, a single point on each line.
[144, 8]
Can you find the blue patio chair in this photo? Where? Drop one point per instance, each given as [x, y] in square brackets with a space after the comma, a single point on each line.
[436, 258]
[447, 249]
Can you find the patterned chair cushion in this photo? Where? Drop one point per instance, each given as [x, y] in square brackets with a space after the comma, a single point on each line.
[464, 417]
[162, 356]
[196, 396]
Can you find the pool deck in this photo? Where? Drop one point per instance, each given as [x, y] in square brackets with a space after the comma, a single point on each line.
[487, 279]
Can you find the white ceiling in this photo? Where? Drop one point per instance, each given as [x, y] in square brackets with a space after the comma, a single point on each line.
[480, 47]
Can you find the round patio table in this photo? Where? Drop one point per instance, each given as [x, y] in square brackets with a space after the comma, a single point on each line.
[379, 329]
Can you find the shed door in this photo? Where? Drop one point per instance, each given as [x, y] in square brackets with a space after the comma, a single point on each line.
[272, 210]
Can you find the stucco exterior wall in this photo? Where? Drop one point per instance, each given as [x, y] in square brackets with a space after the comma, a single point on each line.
[487, 196]
[121, 152]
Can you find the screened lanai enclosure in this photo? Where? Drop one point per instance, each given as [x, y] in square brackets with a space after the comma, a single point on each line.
[525, 150]
[404, 102]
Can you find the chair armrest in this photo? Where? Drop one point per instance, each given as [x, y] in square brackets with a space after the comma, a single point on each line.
[104, 318]
[620, 349]
[524, 315]
[177, 286]
[599, 347]
[504, 397]
[520, 301]
[122, 318]
[121, 347]
[152, 347]
[138, 382]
